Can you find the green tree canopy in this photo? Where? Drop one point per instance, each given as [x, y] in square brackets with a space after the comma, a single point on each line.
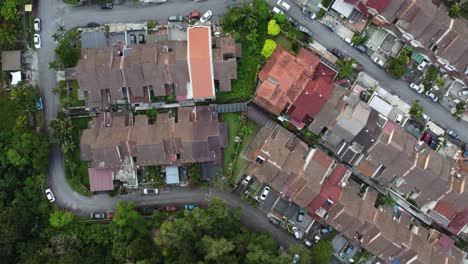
[9, 11]
[416, 110]
[268, 48]
[346, 68]
[322, 251]
[273, 28]
[59, 219]
[454, 10]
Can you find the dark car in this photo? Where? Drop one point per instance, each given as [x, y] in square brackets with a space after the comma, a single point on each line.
[363, 95]
[305, 30]
[292, 21]
[338, 53]
[170, 208]
[107, 6]
[194, 15]
[141, 38]
[348, 250]
[451, 133]
[361, 48]
[326, 230]
[98, 215]
[434, 143]
[175, 19]
[190, 207]
[275, 221]
[309, 13]
[133, 39]
[300, 215]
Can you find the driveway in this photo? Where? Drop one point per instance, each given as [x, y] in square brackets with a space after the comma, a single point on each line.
[395, 86]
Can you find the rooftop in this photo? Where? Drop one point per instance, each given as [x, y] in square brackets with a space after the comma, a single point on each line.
[11, 60]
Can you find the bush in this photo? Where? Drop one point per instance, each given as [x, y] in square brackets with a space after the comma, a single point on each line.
[273, 28]
[68, 56]
[268, 48]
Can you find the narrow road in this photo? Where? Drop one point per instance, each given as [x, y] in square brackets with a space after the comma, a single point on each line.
[395, 86]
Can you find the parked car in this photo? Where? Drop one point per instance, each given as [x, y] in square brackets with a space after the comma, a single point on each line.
[300, 214]
[50, 196]
[275, 221]
[247, 180]
[107, 5]
[309, 13]
[344, 81]
[348, 40]
[305, 30]
[422, 65]
[463, 93]
[326, 230]
[176, 18]
[170, 208]
[208, 14]
[110, 214]
[379, 62]
[194, 15]
[37, 41]
[190, 206]
[295, 259]
[337, 53]
[434, 143]
[363, 95]
[348, 250]
[418, 88]
[292, 21]
[308, 243]
[296, 233]
[150, 191]
[98, 215]
[37, 24]
[283, 5]
[277, 10]
[361, 48]
[451, 133]
[426, 117]
[398, 119]
[432, 96]
[141, 39]
[265, 193]
[426, 137]
[133, 39]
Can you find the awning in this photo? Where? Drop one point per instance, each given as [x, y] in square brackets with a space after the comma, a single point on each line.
[172, 175]
[417, 57]
[16, 77]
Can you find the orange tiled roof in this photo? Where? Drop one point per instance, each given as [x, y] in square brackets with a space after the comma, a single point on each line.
[200, 62]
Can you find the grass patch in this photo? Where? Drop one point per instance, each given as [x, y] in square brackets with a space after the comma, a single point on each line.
[8, 113]
[31, 31]
[76, 170]
[229, 156]
[73, 95]
[284, 42]
[247, 68]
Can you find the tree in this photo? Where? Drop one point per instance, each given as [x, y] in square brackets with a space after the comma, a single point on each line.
[305, 256]
[29, 151]
[346, 68]
[322, 251]
[151, 24]
[268, 48]
[416, 110]
[431, 75]
[8, 36]
[439, 82]
[395, 68]
[9, 11]
[273, 28]
[280, 18]
[454, 10]
[25, 96]
[152, 114]
[59, 219]
[460, 108]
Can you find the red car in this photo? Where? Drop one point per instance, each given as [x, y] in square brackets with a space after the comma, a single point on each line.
[171, 208]
[194, 15]
[426, 138]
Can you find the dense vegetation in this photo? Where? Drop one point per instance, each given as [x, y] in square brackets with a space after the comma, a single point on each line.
[11, 30]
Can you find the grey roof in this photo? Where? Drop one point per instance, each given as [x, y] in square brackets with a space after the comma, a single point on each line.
[11, 60]
[371, 132]
[93, 40]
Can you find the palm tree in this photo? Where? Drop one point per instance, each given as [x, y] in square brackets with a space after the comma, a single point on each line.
[61, 28]
[56, 36]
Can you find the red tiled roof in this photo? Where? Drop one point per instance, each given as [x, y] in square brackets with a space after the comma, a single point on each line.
[445, 209]
[458, 222]
[322, 158]
[389, 127]
[200, 62]
[100, 179]
[311, 100]
[378, 5]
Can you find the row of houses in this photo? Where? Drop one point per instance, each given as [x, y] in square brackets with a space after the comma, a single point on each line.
[361, 134]
[424, 24]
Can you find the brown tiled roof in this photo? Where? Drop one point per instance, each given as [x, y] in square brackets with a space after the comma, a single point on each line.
[330, 111]
[195, 140]
[225, 65]
[200, 62]
[283, 78]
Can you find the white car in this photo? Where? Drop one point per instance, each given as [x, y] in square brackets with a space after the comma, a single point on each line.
[150, 191]
[422, 65]
[283, 5]
[50, 196]
[432, 96]
[296, 233]
[37, 41]
[277, 10]
[265, 193]
[463, 93]
[417, 88]
[37, 24]
[379, 62]
[247, 180]
[206, 16]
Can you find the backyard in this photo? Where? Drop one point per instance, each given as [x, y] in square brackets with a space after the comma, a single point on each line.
[76, 171]
[230, 155]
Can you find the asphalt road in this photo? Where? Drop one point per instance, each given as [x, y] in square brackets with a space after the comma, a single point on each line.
[395, 86]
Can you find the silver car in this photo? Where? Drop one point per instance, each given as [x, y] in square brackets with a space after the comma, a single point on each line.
[50, 196]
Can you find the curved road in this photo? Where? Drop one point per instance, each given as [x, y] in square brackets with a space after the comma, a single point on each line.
[54, 13]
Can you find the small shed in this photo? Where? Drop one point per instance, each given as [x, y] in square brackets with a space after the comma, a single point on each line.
[11, 60]
[101, 179]
[172, 175]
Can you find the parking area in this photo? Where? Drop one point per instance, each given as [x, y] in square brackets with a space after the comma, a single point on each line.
[267, 204]
[115, 38]
[391, 45]
[342, 250]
